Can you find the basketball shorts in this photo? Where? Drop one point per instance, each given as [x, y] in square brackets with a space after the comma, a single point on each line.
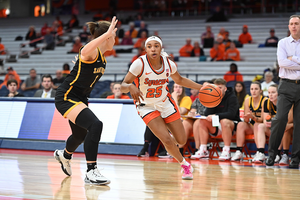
[219, 130]
[166, 108]
[65, 103]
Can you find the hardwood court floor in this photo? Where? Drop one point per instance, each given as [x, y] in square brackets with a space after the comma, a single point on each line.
[36, 175]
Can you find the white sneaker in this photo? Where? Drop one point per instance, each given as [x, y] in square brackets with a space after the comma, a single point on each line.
[237, 156]
[95, 177]
[225, 155]
[200, 155]
[65, 163]
[259, 158]
[277, 159]
[284, 160]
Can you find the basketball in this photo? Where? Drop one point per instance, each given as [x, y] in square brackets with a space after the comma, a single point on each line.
[210, 96]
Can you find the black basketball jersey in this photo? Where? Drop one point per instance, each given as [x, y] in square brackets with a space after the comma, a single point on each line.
[84, 75]
[256, 111]
[270, 108]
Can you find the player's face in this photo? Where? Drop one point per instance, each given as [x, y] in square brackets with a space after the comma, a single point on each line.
[12, 87]
[153, 49]
[294, 27]
[255, 90]
[273, 94]
[238, 87]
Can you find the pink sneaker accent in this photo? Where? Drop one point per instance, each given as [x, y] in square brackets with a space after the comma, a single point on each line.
[187, 172]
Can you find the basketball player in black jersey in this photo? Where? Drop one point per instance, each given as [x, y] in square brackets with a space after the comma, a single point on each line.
[71, 100]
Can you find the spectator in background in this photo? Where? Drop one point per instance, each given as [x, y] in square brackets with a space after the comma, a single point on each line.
[186, 50]
[127, 40]
[240, 92]
[207, 36]
[233, 74]
[32, 82]
[245, 37]
[268, 81]
[141, 51]
[272, 41]
[98, 16]
[2, 48]
[12, 86]
[217, 52]
[133, 32]
[197, 51]
[49, 41]
[72, 23]
[84, 35]
[110, 92]
[141, 40]
[117, 94]
[59, 24]
[44, 29]
[155, 33]
[222, 32]
[47, 91]
[194, 94]
[58, 80]
[11, 74]
[226, 40]
[232, 54]
[31, 35]
[76, 46]
[66, 69]
[142, 29]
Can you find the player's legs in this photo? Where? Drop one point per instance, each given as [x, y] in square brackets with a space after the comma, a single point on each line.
[242, 129]
[205, 127]
[159, 128]
[260, 136]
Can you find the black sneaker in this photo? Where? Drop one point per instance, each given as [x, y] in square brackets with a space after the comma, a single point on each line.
[164, 154]
[143, 153]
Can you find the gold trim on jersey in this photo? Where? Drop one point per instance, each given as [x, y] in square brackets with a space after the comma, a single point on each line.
[94, 81]
[268, 103]
[66, 99]
[259, 104]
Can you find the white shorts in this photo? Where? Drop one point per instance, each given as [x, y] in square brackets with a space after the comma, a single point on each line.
[166, 108]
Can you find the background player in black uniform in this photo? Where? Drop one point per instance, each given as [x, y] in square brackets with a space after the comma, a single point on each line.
[72, 95]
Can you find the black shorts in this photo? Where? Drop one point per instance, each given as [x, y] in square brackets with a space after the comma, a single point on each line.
[65, 103]
[216, 133]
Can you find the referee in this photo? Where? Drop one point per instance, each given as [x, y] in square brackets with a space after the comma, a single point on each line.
[288, 55]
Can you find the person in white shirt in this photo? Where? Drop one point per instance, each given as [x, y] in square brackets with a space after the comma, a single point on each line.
[266, 84]
[47, 91]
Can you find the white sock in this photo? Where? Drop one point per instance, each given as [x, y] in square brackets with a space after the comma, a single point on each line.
[203, 147]
[184, 163]
[226, 148]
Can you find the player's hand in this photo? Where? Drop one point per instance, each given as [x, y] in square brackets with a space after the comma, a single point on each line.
[268, 124]
[136, 94]
[209, 118]
[112, 28]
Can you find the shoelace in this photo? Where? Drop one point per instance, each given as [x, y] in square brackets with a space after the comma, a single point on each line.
[97, 173]
[186, 169]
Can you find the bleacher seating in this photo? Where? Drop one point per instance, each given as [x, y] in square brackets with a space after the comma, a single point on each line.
[173, 34]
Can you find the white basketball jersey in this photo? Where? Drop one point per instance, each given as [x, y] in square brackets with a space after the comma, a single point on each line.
[152, 83]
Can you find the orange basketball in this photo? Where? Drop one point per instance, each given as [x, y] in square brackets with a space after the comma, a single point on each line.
[210, 96]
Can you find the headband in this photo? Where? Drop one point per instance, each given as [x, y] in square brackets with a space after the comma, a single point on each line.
[163, 53]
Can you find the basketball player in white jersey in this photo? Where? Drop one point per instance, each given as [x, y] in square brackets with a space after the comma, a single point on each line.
[154, 103]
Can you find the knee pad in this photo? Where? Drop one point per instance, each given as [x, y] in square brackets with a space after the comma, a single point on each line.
[95, 131]
[88, 120]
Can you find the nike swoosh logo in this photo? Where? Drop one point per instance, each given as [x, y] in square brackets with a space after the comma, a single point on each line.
[210, 90]
[148, 73]
[165, 99]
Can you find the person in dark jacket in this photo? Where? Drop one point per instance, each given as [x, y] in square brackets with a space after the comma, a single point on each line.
[220, 120]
